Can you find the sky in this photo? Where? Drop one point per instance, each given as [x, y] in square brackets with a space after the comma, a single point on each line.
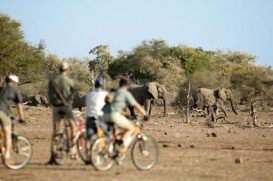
[70, 28]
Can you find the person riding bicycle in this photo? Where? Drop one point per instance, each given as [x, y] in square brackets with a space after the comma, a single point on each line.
[95, 100]
[113, 112]
[9, 95]
[61, 90]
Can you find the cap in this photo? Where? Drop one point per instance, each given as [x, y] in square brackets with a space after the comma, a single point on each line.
[13, 78]
[64, 66]
[100, 81]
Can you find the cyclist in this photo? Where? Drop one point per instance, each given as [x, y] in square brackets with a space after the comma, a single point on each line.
[113, 112]
[95, 100]
[60, 91]
[9, 96]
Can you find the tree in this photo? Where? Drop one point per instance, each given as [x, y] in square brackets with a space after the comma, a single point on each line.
[192, 59]
[99, 65]
[16, 55]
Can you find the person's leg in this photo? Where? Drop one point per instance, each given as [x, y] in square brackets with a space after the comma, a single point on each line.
[72, 121]
[56, 126]
[89, 132]
[122, 122]
[8, 141]
[6, 127]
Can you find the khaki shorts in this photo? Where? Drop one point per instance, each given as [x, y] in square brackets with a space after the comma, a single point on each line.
[4, 119]
[62, 112]
[118, 119]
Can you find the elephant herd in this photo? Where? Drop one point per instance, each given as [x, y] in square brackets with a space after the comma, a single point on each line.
[203, 99]
[144, 94]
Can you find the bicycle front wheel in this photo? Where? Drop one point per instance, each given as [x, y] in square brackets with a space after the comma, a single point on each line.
[100, 154]
[21, 152]
[82, 149]
[145, 152]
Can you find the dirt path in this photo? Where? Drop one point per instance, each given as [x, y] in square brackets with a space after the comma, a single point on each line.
[187, 152]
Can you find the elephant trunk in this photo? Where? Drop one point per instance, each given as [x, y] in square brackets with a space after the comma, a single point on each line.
[165, 105]
[232, 106]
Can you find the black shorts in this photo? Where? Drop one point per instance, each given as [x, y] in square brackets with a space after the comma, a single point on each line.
[91, 126]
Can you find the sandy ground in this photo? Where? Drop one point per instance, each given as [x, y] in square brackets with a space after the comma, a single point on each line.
[187, 151]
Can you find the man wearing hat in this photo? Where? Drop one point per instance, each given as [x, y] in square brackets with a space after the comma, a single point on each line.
[95, 100]
[60, 91]
[9, 95]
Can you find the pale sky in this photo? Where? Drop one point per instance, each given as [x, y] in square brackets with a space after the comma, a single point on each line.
[70, 28]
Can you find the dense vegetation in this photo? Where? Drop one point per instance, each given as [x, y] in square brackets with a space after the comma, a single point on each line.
[154, 60]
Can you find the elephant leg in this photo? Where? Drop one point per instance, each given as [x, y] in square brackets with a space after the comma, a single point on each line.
[132, 111]
[208, 110]
[213, 113]
[222, 107]
[148, 106]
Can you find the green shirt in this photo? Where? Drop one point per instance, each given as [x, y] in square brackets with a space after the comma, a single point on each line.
[8, 97]
[122, 100]
[66, 86]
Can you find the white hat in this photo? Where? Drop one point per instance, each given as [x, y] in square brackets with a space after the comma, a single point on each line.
[13, 78]
[64, 66]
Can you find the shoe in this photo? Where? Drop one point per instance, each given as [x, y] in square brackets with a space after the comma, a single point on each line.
[8, 161]
[73, 156]
[51, 161]
[88, 162]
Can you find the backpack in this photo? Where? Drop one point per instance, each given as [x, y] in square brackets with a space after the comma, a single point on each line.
[111, 96]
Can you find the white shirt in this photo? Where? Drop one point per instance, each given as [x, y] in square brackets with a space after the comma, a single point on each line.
[95, 100]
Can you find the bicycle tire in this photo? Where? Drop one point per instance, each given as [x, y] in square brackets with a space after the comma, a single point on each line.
[81, 146]
[100, 153]
[20, 150]
[140, 144]
[60, 148]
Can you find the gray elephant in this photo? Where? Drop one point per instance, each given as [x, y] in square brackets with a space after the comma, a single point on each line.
[36, 100]
[204, 98]
[146, 94]
[79, 100]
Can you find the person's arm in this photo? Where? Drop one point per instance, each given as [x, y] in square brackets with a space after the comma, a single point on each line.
[19, 107]
[140, 109]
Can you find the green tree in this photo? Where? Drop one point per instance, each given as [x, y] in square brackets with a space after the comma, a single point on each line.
[103, 58]
[17, 55]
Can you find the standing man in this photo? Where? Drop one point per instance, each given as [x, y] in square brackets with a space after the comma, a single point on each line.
[60, 91]
[95, 100]
[9, 95]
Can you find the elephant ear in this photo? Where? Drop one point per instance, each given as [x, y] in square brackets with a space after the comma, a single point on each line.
[152, 88]
[222, 94]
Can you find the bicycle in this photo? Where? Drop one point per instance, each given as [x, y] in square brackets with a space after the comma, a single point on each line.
[62, 142]
[107, 149]
[21, 151]
[82, 141]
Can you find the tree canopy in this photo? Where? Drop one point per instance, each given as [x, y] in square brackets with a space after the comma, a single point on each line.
[17, 55]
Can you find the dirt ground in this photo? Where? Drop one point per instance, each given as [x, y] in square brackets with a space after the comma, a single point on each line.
[187, 151]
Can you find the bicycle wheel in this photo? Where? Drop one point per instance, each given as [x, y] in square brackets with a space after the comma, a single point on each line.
[81, 146]
[100, 154]
[144, 152]
[60, 148]
[21, 152]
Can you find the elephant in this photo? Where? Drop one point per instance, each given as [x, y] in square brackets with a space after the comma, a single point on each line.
[79, 100]
[36, 100]
[146, 94]
[204, 98]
